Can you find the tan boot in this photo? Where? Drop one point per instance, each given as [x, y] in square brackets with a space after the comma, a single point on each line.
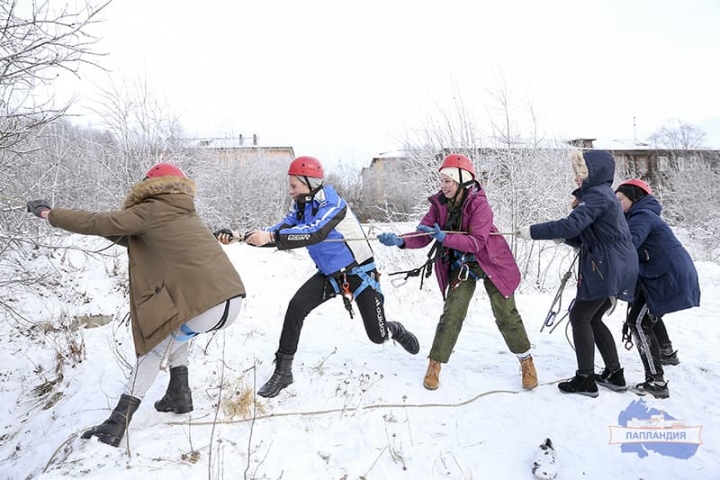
[432, 376]
[529, 375]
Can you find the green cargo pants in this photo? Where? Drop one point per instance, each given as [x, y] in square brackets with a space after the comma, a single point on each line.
[507, 318]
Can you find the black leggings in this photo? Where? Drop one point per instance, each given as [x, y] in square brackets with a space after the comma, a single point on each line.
[650, 334]
[316, 291]
[588, 331]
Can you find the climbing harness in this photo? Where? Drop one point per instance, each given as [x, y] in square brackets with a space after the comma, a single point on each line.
[341, 286]
[424, 271]
[462, 264]
[189, 333]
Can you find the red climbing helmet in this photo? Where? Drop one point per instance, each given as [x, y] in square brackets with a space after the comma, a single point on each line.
[461, 162]
[164, 170]
[638, 183]
[306, 167]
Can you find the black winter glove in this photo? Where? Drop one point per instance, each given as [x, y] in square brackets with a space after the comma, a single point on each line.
[223, 231]
[37, 206]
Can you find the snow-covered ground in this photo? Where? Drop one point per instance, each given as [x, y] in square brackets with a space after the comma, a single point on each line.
[356, 410]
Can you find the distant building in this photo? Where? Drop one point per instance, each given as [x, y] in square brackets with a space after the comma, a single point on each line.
[649, 162]
[239, 149]
[633, 160]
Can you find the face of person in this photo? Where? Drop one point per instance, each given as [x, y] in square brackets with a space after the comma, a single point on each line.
[297, 187]
[578, 180]
[624, 201]
[448, 186]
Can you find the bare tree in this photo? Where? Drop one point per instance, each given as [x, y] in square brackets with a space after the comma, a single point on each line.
[36, 41]
[144, 130]
[525, 175]
[678, 135]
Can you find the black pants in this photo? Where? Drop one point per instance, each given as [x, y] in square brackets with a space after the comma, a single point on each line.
[316, 291]
[589, 330]
[649, 334]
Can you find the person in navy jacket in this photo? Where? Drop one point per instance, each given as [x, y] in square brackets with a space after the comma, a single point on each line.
[667, 282]
[607, 268]
[321, 220]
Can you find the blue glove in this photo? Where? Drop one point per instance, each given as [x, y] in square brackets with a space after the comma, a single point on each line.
[390, 239]
[434, 232]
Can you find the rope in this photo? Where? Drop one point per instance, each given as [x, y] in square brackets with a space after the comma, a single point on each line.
[14, 200]
[363, 408]
[406, 235]
[410, 235]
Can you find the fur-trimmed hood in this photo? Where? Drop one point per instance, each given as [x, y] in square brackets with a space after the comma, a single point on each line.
[153, 187]
[595, 167]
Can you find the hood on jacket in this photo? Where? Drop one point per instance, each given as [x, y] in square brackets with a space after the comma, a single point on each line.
[648, 202]
[599, 165]
[158, 186]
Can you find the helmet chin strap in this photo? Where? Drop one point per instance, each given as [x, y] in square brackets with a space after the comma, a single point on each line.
[461, 184]
[303, 198]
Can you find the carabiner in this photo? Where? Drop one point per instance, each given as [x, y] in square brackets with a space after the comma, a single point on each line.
[464, 272]
[346, 293]
[550, 319]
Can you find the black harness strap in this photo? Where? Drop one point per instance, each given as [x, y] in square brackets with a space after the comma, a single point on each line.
[224, 317]
[425, 270]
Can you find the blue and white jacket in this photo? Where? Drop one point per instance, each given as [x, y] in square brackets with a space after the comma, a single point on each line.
[322, 224]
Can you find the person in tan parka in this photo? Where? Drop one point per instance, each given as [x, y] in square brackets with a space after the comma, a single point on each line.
[181, 283]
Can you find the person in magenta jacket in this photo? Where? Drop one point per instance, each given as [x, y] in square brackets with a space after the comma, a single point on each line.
[467, 250]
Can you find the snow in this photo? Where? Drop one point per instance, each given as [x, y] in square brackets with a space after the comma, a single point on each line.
[356, 410]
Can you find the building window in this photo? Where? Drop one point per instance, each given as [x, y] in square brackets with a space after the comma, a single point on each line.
[663, 164]
[681, 163]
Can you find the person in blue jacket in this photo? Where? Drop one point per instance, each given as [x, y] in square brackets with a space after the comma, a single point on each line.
[607, 268]
[667, 282]
[322, 221]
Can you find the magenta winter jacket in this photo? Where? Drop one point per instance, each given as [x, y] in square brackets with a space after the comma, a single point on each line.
[491, 251]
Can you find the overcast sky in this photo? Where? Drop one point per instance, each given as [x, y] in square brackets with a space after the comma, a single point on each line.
[349, 80]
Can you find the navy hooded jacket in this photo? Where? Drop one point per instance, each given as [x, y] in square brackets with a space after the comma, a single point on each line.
[667, 274]
[608, 264]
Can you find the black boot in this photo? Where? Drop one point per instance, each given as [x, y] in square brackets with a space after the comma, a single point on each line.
[657, 387]
[614, 380]
[178, 397]
[281, 378]
[112, 430]
[668, 356]
[406, 339]
[580, 384]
